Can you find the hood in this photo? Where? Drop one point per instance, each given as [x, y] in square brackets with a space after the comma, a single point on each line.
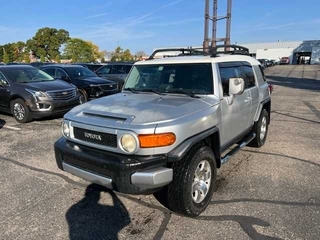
[46, 86]
[142, 108]
[95, 80]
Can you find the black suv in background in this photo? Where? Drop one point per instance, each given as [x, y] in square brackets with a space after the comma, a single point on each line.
[27, 93]
[89, 84]
[116, 71]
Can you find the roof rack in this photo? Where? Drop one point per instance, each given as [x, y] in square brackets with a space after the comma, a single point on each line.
[211, 51]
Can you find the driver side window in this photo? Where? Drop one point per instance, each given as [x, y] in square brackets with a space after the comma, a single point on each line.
[3, 82]
[61, 74]
[226, 73]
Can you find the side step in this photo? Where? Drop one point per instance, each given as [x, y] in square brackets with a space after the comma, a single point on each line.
[245, 142]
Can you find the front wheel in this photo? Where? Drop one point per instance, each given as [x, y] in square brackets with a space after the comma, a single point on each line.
[194, 181]
[20, 111]
[83, 96]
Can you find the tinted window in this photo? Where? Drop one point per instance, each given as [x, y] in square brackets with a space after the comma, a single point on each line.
[3, 82]
[27, 75]
[79, 72]
[105, 70]
[119, 69]
[128, 68]
[60, 74]
[172, 78]
[262, 72]
[50, 71]
[226, 73]
[248, 77]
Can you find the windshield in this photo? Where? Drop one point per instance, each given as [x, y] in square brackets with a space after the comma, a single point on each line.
[80, 72]
[171, 78]
[27, 75]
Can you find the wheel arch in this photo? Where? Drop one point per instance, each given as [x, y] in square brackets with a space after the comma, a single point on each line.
[17, 96]
[210, 138]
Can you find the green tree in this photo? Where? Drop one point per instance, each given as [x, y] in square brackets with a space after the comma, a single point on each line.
[42, 58]
[26, 58]
[78, 50]
[57, 58]
[127, 56]
[97, 54]
[6, 58]
[19, 50]
[47, 42]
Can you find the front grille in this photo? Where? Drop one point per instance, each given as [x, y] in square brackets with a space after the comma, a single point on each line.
[62, 95]
[101, 138]
[86, 165]
[108, 87]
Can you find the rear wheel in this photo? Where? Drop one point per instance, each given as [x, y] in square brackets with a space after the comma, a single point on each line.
[261, 130]
[20, 111]
[194, 181]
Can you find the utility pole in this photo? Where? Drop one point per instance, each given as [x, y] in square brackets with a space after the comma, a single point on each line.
[215, 18]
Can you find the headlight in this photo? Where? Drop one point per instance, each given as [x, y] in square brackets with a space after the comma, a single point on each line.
[35, 93]
[128, 143]
[65, 128]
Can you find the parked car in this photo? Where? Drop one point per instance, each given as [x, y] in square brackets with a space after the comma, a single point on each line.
[284, 60]
[40, 64]
[89, 84]
[28, 93]
[116, 71]
[263, 63]
[175, 123]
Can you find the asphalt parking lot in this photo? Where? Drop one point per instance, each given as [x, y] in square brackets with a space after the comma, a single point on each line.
[267, 193]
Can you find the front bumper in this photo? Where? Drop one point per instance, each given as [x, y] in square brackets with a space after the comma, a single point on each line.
[122, 173]
[51, 108]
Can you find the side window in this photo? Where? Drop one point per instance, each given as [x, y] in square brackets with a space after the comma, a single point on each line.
[120, 69]
[60, 74]
[50, 71]
[248, 78]
[262, 72]
[128, 68]
[226, 73]
[105, 70]
[3, 82]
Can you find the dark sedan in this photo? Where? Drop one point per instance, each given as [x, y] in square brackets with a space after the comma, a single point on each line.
[27, 93]
[89, 84]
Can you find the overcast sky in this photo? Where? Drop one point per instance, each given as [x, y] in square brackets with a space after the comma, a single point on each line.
[148, 24]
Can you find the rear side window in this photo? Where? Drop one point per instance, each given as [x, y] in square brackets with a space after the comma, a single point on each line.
[50, 71]
[61, 74]
[105, 70]
[226, 73]
[248, 77]
[262, 73]
[128, 68]
[119, 69]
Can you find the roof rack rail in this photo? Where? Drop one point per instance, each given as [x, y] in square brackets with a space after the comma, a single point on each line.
[184, 52]
[211, 51]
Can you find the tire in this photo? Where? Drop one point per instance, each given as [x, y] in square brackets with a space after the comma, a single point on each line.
[261, 130]
[20, 111]
[184, 195]
[83, 98]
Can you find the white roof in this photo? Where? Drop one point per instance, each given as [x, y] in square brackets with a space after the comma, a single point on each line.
[200, 59]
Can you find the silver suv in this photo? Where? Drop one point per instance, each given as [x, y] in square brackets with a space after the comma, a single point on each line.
[176, 121]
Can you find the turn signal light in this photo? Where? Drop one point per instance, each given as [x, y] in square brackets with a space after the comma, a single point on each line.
[156, 140]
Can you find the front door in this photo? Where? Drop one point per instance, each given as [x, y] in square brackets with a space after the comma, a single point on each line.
[236, 110]
[4, 92]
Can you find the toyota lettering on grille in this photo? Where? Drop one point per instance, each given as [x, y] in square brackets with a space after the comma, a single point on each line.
[92, 136]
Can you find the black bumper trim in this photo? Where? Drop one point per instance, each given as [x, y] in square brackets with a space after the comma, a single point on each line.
[117, 167]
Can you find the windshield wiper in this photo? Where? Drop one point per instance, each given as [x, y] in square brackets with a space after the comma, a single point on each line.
[152, 90]
[133, 90]
[190, 94]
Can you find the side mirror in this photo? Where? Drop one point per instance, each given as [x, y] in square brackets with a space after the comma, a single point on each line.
[236, 86]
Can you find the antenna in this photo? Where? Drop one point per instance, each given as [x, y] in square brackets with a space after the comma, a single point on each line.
[214, 18]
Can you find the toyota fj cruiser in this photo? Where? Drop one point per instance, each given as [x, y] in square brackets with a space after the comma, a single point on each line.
[175, 122]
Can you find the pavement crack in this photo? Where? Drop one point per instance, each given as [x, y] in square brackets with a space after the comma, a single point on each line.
[312, 108]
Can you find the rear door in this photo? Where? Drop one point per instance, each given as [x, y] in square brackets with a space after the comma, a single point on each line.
[236, 111]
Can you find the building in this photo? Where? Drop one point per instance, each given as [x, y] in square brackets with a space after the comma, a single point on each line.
[299, 52]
